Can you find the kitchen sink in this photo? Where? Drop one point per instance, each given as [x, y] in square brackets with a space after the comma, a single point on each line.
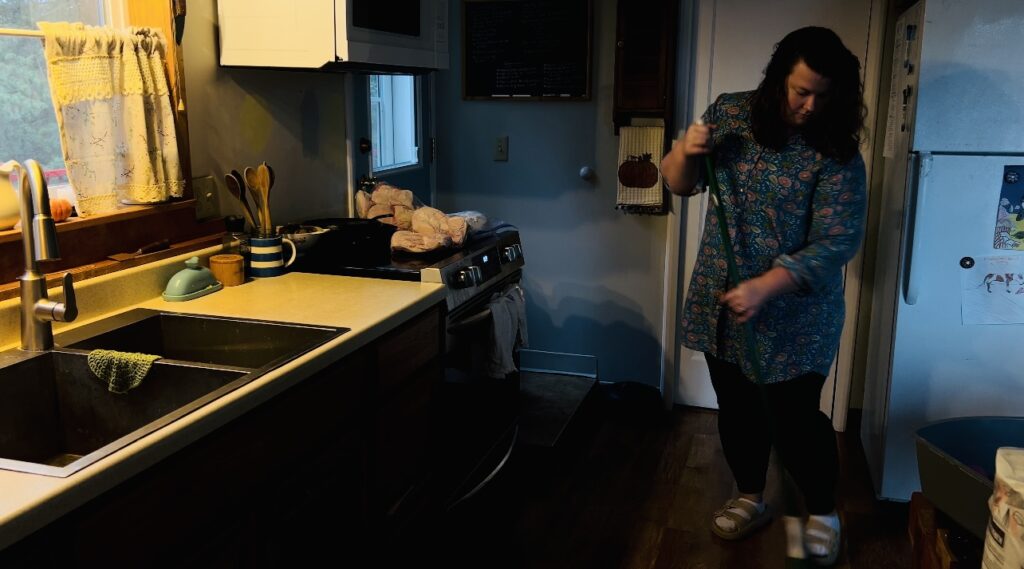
[199, 339]
[57, 417]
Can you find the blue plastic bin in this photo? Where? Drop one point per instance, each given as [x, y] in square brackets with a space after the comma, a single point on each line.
[956, 461]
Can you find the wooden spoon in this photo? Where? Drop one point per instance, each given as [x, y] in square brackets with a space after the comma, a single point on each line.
[239, 193]
[263, 173]
[245, 200]
[271, 172]
[242, 187]
[252, 181]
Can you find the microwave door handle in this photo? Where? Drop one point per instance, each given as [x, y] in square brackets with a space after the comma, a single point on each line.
[922, 166]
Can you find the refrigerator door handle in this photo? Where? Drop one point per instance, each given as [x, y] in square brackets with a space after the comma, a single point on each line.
[918, 199]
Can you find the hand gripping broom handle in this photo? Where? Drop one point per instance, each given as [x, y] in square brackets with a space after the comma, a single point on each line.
[794, 530]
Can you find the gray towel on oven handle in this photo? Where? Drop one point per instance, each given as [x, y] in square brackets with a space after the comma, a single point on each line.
[508, 315]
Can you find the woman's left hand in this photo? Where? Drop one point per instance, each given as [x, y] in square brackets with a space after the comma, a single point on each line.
[745, 300]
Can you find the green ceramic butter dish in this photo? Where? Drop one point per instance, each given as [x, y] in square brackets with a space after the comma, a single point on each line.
[191, 282]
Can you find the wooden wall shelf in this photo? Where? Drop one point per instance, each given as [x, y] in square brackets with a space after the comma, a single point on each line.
[85, 243]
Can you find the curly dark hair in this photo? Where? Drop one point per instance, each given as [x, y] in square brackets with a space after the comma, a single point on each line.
[835, 131]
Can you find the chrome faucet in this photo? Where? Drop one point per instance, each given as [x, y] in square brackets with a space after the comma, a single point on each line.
[39, 242]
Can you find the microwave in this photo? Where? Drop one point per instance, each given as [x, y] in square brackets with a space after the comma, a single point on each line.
[313, 34]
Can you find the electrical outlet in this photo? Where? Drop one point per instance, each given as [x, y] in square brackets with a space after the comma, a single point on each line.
[207, 202]
[501, 149]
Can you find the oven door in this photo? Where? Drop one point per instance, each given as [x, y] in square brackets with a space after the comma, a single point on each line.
[480, 414]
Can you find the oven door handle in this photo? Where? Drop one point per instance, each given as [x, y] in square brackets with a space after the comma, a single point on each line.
[489, 477]
[469, 321]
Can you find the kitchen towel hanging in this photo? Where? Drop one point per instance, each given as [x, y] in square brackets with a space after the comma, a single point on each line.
[639, 178]
[508, 315]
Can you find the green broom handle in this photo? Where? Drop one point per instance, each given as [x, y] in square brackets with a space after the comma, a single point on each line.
[733, 272]
[792, 507]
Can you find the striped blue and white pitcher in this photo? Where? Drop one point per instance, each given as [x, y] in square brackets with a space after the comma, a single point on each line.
[266, 256]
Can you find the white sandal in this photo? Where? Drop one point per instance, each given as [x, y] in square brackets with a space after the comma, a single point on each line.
[746, 523]
[824, 535]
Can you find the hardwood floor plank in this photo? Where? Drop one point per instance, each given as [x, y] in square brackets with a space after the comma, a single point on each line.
[639, 494]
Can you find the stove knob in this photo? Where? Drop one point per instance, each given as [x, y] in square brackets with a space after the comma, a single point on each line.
[509, 254]
[462, 279]
[470, 276]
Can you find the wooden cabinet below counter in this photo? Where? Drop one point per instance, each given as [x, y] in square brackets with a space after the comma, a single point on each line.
[326, 468]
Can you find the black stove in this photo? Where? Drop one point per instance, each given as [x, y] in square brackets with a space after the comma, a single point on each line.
[479, 414]
[488, 257]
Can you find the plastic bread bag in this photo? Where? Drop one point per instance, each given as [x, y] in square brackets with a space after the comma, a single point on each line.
[1004, 541]
[384, 199]
[474, 219]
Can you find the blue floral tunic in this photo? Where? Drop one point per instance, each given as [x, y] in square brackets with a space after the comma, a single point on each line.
[794, 208]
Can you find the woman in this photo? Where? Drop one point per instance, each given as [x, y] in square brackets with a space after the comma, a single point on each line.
[792, 180]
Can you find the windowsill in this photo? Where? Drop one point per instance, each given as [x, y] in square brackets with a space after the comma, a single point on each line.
[397, 169]
[128, 212]
[87, 243]
[53, 279]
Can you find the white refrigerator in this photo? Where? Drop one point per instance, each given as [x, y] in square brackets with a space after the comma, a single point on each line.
[947, 322]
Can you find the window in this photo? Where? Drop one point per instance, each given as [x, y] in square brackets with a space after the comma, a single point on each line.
[86, 242]
[26, 111]
[393, 132]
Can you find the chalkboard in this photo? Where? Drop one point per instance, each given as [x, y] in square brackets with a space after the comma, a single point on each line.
[526, 49]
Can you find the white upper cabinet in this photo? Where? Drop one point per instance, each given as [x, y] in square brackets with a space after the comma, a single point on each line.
[310, 34]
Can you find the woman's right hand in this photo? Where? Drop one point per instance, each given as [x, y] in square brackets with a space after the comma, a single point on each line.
[697, 139]
[680, 166]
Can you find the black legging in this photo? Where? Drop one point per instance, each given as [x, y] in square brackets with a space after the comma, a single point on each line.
[806, 440]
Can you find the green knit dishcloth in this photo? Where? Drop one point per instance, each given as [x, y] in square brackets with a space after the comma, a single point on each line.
[122, 371]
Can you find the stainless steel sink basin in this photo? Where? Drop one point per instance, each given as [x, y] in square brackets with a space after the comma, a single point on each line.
[57, 417]
[202, 339]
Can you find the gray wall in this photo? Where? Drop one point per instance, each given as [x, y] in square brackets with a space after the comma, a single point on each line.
[594, 276]
[294, 120]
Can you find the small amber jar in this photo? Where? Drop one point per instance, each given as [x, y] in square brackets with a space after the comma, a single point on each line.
[228, 269]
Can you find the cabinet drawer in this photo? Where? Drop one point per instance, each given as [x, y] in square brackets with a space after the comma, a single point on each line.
[402, 352]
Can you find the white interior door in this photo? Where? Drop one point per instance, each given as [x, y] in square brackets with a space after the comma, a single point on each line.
[735, 39]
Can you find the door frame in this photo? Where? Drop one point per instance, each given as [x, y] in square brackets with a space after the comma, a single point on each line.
[700, 20]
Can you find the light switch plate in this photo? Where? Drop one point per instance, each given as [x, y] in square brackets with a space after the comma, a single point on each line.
[501, 149]
[207, 202]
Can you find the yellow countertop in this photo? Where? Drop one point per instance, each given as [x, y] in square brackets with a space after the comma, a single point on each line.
[368, 307]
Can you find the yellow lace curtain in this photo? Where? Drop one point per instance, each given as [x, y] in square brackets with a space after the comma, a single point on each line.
[114, 110]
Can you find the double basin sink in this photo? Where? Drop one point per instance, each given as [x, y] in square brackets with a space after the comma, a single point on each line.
[57, 417]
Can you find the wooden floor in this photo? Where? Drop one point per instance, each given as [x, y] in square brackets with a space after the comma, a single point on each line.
[636, 491]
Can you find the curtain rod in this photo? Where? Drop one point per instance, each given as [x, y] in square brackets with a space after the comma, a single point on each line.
[22, 33]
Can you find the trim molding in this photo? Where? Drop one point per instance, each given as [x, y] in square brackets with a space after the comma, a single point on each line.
[558, 362]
